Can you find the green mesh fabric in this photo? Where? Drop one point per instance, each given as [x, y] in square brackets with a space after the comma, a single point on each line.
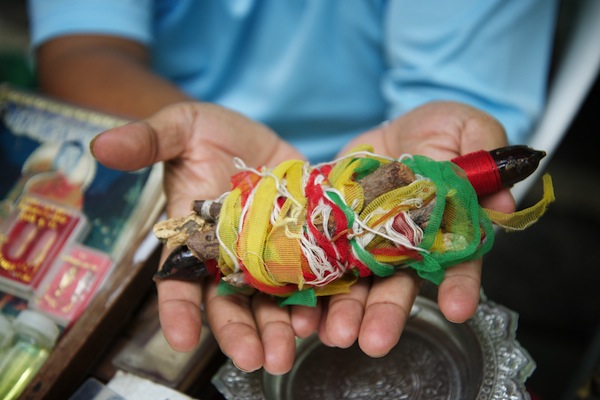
[458, 229]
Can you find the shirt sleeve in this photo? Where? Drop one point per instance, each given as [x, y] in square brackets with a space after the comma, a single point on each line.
[131, 19]
[493, 55]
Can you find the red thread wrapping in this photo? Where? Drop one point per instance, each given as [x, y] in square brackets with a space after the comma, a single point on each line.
[481, 171]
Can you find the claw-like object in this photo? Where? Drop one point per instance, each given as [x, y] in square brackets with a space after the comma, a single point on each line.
[182, 265]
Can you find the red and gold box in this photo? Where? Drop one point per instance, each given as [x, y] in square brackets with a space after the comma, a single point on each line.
[71, 283]
[34, 235]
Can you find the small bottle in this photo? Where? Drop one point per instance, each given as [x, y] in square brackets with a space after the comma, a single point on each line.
[6, 335]
[35, 336]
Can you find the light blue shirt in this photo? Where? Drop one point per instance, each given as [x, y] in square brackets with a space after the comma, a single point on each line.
[320, 71]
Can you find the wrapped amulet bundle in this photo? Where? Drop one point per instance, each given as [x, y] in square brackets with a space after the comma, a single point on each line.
[298, 231]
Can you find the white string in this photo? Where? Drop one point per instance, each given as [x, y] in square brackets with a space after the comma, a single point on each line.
[362, 153]
[316, 256]
[365, 239]
[318, 262]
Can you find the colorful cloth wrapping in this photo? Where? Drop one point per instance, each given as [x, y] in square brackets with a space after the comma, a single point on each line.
[298, 231]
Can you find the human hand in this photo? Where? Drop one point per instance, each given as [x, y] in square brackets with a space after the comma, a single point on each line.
[375, 313]
[198, 143]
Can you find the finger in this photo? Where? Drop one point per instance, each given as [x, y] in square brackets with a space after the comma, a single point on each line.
[343, 316]
[305, 320]
[137, 145]
[234, 328]
[458, 294]
[276, 333]
[164, 136]
[195, 129]
[179, 313]
[387, 309]
[501, 201]
[440, 130]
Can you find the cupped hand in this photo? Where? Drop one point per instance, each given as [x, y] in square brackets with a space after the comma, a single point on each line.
[375, 314]
[198, 142]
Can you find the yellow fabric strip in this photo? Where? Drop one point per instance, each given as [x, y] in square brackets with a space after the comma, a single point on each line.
[228, 230]
[256, 226]
[522, 219]
[282, 252]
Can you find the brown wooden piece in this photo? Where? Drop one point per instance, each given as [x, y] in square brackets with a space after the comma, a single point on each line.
[207, 209]
[204, 244]
[420, 216]
[385, 179]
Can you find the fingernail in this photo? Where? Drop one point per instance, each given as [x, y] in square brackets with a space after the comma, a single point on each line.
[241, 369]
[91, 146]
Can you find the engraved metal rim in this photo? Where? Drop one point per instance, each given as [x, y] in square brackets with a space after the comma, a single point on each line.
[507, 365]
[504, 364]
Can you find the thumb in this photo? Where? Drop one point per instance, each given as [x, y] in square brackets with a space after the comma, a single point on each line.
[134, 146]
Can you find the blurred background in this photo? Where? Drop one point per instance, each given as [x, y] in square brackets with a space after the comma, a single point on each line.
[549, 274]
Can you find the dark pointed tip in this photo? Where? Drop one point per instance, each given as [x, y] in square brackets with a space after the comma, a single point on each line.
[537, 155]
[523, 151]
[182, 265]
[517, 162]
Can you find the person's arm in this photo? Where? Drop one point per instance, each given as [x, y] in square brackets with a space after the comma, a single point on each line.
[106, 73]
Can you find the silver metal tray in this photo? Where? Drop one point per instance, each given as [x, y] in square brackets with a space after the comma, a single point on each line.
[435, 359]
